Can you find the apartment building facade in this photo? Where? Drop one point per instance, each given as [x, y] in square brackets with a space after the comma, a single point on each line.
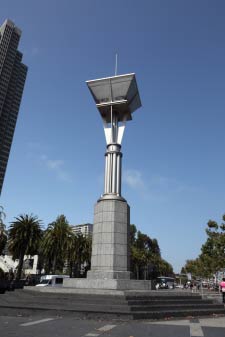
[84, 229]
[12, 79]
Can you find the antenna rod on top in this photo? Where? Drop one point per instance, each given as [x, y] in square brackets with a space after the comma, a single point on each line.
[116, 66]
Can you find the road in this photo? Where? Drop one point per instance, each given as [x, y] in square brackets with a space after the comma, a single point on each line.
[42, 326]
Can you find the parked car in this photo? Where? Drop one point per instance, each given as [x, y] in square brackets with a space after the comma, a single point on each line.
[51, 280]
[165, 282]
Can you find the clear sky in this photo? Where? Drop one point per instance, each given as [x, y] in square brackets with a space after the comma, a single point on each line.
[173, 150]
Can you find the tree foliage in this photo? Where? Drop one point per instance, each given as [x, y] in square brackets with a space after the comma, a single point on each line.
[146, 260]
[78, 254]
[60, 250]
[24, 238]
[61, 247]
[212, 256]
[54, 244]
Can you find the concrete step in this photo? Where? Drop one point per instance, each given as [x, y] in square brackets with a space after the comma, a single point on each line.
[165, 314]
[109, 307]
[36, 297]
[175, 307]
[164, 298]
[83, 314]
[117, 315]
[73, 308]
[168, 301]
[158, 306]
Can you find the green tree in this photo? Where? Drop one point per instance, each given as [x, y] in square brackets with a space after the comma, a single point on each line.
[213, 250]
[79, 253]
[164, 268]
[138, 261]
[133, 234]
[212, 256]
[71, 253]
[87, 248]
[146, 261]
[55, 244]
[194, 267]
[24, 237]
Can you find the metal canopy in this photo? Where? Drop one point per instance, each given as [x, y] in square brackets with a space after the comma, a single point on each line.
[119, 92]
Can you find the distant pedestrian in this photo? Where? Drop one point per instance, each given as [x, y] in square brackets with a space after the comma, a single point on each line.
[222, 287]
[194, 287]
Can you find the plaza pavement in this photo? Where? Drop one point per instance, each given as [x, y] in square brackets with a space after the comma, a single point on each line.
[70, 327]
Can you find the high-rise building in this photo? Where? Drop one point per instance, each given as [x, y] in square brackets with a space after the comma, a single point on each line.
[12, 78]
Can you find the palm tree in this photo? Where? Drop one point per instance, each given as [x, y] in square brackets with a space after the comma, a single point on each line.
[71, 255]
[87, 252]
[25, 235]
[78, 253]
[3, 234]
[55, 241]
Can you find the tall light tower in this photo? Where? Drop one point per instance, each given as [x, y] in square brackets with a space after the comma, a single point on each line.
[116, 99]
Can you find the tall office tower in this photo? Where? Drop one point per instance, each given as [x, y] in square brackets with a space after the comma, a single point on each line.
[12, 78]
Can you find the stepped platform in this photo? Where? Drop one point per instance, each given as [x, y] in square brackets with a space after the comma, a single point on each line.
[151, 305]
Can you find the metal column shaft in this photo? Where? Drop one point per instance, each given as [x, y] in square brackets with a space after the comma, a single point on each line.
[113, 170]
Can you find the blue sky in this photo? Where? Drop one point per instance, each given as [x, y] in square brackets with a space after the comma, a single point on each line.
[173, 150]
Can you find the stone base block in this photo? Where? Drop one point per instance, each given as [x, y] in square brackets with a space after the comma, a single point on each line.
[108, 275]
[110, 240]
[120, 284]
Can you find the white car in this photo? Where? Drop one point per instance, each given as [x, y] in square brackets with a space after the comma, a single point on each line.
[52, 280]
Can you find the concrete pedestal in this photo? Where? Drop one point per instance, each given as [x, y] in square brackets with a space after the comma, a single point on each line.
[110, 242]
[105, 286]
[110, 262]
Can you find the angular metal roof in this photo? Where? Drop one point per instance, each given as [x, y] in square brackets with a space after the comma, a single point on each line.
[120, 92]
